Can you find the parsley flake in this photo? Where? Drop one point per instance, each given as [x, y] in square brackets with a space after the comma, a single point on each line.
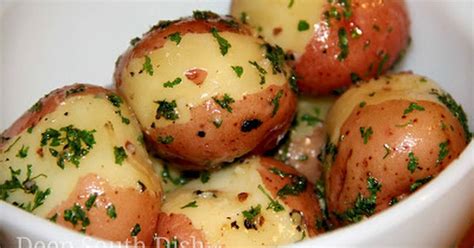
[412, 107]
[303, 25]
[190, 205]
[171, 84]
[225, 102]
[412, 162]
[120, 154]
[224, 45]
[365, 133]
[176, 37]
[148, 66]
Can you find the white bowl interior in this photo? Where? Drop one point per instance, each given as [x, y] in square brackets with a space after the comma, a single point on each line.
[45, 45]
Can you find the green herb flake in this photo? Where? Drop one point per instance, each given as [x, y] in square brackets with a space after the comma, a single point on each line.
[276, 102]
[36, 107]
[412, 107]
[167, 110]
[274, 204]
[252, 213]
[134, 41]
[443, 152]
[366, 133]
[175, 37]
[120, 155]
[53, 218]
[148, 66]
[166, 176]
[171, 84]
[412, 162]
[258, 67]
[76, 89]
[225, 102]
[135, 230]
[23, 152]
[420, 182]
[90, 201]
[303, 25]
[393, 201]
[239, 70]
[224, 45]
[166, 140]
[76, 215]
[174, 243]
[115, 100]
[243, 17]
[205, 176]
[290, 4]
[355, 77]
[362, 104]
[343, 44]
[204, 15]
[311, 120]
[297, 185]
[111, 211]
[276, 55]
[382, 63]
[74, 143]
[356, 33]
[190, 205]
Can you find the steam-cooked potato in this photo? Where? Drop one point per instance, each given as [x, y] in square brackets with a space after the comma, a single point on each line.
[334, 42]
[205, 91]
[259, 201]
[307, 137]
[388, 138]
[76, 158]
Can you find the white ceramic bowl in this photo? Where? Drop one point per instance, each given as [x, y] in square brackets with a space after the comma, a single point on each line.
[45, 45]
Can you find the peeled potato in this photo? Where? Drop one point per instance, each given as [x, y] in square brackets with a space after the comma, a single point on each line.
[207, 82]
[388, 137]
[77, 158]
[334, 43]
[259, 201]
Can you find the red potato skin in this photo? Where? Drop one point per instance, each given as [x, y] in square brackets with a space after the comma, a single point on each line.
[227, 142]
[306, 201]
[385, 31]
[356, 161]
[468, 239]
[132, 207]
[48, 103]
[177, 226]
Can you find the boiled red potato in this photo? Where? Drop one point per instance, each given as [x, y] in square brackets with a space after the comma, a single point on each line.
[335, 43]
[77, 158]
[307, 137]
[389, 137]
[205, 91]
[259, 201]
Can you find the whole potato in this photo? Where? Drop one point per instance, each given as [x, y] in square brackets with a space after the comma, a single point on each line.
[77, 158]
[388, 137]
[259, 201]
[205, 91]
[334, 43]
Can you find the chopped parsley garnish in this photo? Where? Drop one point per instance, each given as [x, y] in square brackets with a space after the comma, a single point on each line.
[312, 120]
[166, 140]
[250, 216]
[204, 15]
[111, 212]
[190, 205]
[274, 204]
[455, 109]
[174, 243]
[355, 77]
[393, 201]
[36, 107]
[243, 17]
[53, 218]
[224, 45]
[148, 66]
[276, 102]
[297, 185]
[120, 154]
[412, 107]
[76, 215]
[363, 206]
[382, 63]
[166, 176]
[166, 110]
[443, 152]
[225, 102]
[347, 8]
[362, 104]
[323, 222]
[420, 182]
[290, 4]
[258, 67]
[90, 201]
[134, 41]
[343, 44]
[76, 89]
[75, 144]
[136, 230]
[356, 33]
[171, 84]
[205, 176]
[293, 83]
[115, 100]
[176, 37]
[23, 152]
[410, 122]
[276, 55]
[249, 125]
[365, 133]
[303, 25]
[238, 70]
[412, 162]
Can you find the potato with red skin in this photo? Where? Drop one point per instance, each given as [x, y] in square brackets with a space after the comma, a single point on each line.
[76, 159]
[336, 43]
[231, 194]
[206, 81]
[392, 136]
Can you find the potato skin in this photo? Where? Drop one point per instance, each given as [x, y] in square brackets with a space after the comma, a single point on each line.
[398, 136]
[129, 186]
[226, 195]
[385, 35]
[252, 125]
